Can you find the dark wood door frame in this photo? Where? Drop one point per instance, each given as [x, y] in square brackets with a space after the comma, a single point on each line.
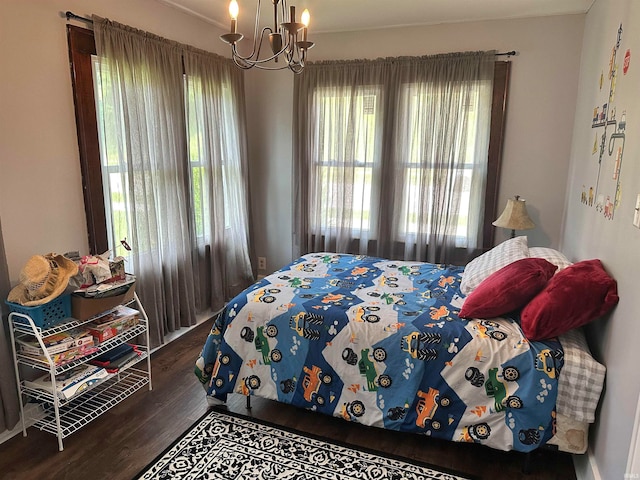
[496, 139]
[81, 47]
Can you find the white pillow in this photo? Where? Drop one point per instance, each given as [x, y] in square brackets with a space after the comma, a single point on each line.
[550, 255]
[489, 262]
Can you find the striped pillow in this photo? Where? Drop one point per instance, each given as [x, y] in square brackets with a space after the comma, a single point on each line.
[489, 262]
[550, 255]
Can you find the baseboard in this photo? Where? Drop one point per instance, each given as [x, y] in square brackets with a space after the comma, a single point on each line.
[31, 414]
[586, 466]
[170, 337]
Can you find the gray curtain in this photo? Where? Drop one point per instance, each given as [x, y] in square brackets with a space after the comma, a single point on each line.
[150, 176]
[390, 155]
[9, 406]
[217, 141]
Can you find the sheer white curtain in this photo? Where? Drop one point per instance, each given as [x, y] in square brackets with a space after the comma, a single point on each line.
[217, 151]
[391, 155]
[173, 172]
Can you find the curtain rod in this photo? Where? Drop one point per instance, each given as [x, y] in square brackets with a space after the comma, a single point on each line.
[73, 16]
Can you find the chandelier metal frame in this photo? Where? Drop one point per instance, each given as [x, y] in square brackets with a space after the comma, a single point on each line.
[283, 39]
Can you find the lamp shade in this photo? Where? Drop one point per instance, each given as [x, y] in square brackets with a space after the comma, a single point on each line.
[515, 215]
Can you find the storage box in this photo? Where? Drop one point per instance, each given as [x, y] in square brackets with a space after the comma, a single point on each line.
[45, 315]
[70, 383]
[55, 343]
[118, 314]
[67, 356]
[117, 358]
[105, 332]
[84, 308]
[118, 321]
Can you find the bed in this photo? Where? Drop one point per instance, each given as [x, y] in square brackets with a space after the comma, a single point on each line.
[381, 342]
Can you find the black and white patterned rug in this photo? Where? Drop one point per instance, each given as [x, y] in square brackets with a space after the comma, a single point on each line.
[221, 446]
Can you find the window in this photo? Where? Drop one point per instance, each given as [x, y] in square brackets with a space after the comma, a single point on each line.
[419, 174]
[227, 172]
[399, 155]
[113, 167]
[347, 149]
[195, 142]
[162, 145]
[105, 189]
[348, 143]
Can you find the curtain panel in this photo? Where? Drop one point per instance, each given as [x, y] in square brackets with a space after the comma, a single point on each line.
[9, 401]
[162, 179]
[216, 121]
[390, 155]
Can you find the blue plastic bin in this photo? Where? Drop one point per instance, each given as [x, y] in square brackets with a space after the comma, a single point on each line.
[45, 315]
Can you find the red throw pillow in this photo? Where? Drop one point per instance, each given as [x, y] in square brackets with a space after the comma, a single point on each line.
[575, 296]
[508, 289]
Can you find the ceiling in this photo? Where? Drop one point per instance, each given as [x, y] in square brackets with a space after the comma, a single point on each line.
[348, 15]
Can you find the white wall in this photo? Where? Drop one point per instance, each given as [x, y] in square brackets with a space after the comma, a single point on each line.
[41, 203]
[587, 234]
[538, 125]
[269, 126]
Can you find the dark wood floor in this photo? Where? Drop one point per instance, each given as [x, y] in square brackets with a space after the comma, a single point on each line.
[121, 442]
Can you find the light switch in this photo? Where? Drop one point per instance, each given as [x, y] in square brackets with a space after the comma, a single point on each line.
[636, 213]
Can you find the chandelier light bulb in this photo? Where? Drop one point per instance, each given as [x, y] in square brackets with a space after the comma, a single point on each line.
[305, 17]
[234, 9]
[305, 22]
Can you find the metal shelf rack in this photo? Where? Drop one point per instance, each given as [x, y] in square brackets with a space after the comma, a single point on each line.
[64, 417]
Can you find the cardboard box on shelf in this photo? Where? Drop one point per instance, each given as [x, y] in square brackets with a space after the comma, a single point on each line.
[56, 343]
[84, 308]
[70, 383]
[109, 325]
[118, 357]
[102, 333]
[67, 356]
[119, 314]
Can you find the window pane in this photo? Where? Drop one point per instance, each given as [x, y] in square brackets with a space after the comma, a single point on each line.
[346, 163]
[210, 170]
[113, 159]
[196, 145]
[423, 167]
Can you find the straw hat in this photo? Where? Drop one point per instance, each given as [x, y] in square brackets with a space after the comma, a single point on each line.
[42, 279]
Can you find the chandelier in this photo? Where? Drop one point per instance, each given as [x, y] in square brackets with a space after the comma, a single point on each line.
[288, 40]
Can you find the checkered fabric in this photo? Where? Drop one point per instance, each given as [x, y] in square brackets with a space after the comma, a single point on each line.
[550, 255]
[489, 262]
[581, 379]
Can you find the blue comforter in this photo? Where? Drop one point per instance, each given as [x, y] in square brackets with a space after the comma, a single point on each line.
[380, 342]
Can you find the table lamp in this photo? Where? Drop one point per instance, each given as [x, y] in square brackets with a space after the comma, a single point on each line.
[515, 216]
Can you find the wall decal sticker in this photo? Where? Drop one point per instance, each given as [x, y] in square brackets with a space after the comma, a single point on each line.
[604, 190]
[627, 61]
